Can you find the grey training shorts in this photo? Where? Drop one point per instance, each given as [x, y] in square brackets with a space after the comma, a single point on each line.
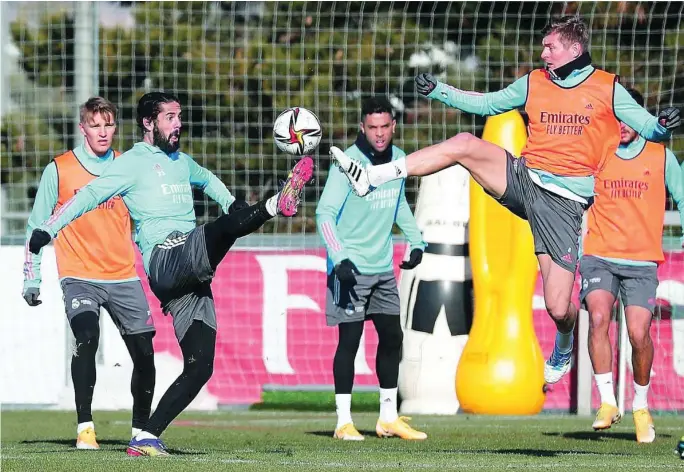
[555, 221]
[636, 285]
[124, 301]
[180, 277]
[372, 294]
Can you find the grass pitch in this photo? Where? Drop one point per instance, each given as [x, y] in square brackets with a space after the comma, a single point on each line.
[301, 441]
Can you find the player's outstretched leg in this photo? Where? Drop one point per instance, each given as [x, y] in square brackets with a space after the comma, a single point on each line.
[86, 329]
[638, 329]
[485, 161]
[390, 339]
[198, 347]
[221, 234]
[142, 378]
[343, 375]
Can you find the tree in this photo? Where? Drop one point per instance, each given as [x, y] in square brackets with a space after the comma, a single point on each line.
[236, 65]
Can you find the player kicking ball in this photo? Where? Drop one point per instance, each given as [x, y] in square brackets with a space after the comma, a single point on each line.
[621, 252]
[96, 266]
[573, 111]
[155, 181]
[357, 233]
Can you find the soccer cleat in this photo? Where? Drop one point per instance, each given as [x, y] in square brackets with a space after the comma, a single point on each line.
[147, 447]
[557, 366]
[291, 192]
[645, 430]
[348, 432]
[398, 427]
[680, 448]
[354, 170]
[86, 440]
[606, 416]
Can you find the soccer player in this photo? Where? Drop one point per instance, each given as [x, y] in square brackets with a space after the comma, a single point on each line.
[357, 233]
[573, 111]
[96, 269]
[620, 254]
[155, 181]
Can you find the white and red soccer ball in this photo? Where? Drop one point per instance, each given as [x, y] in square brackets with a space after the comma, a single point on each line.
[297, 131]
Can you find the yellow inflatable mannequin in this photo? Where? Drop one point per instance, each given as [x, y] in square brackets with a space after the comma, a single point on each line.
[501, 371]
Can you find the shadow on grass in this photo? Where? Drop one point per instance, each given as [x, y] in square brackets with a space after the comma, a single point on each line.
[599, 435]
[70, 444]
[329, 433]
[532, 452]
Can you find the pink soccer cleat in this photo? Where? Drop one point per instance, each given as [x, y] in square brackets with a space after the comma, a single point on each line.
[291, 192]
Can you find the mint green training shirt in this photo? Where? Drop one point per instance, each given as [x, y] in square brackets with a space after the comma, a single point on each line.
[515, 96]
[360, 228]
[156, 188]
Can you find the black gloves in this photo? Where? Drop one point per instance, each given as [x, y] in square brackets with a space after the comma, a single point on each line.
[31, 296]
[237, 205]
[425, 83]
[669, 118]
[39, 238]
[346, 271]
[414, 259]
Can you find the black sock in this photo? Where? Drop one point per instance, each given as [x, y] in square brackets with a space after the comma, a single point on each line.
[86, 329]
[221, 234]
[198, 347]
[347, 347]
[143, 377]
[390, 339]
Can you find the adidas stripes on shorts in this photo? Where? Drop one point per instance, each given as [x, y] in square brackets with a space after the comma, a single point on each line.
[180, 277]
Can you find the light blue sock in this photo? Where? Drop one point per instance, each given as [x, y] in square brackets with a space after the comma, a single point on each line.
[564, 342]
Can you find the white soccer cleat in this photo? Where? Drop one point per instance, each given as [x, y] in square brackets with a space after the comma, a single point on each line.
[354, 170]
[557, 366]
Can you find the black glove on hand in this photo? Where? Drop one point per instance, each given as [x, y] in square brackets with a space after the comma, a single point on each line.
[415, 258]
[425, 83]
[346, 271]
[39, 238]
[669, 118]
[31, 296]
[237, 205]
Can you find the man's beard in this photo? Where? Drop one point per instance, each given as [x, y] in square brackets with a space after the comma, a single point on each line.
[164, 143]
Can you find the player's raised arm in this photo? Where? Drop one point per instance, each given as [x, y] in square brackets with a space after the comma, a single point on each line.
[209, 183]
[483, 104]
[335, 193]
[45, 201]
[116, 180]
[640, 120]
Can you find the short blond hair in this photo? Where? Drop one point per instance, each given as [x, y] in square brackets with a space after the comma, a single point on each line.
[571, 29]
[96, 105]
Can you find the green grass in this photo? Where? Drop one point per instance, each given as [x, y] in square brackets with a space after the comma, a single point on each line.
[324, 401]
[301, 441]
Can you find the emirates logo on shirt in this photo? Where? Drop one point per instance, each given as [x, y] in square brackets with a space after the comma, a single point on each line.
[625, 188]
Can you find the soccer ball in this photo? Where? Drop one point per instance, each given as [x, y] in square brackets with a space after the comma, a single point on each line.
[297, 131]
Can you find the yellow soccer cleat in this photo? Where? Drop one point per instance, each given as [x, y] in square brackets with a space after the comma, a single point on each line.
[86, 440]
[606, 416]
[348, 432]
[645, 430]
[399, 427]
